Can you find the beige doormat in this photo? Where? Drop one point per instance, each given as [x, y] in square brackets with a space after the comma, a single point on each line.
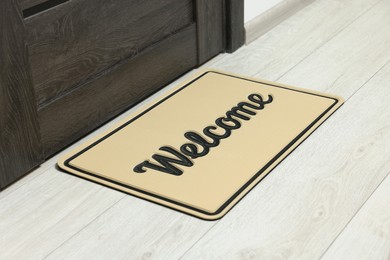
[201, 147]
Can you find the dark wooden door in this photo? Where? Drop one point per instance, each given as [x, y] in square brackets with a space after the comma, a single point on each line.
[71, 65]
[20, 146]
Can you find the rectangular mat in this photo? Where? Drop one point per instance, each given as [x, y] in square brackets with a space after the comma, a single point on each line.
[201, 147]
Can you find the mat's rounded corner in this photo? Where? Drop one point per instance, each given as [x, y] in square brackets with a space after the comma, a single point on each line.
[213, 216]
[62, 162]
[339, 100]
[61, 165]
[209, 217]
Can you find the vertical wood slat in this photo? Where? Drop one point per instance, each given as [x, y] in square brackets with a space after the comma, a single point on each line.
[20, 148]
[210, 28]
[220, 27]
[235, 32]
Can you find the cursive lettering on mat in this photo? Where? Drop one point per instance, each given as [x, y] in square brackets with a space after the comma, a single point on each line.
[188, 151]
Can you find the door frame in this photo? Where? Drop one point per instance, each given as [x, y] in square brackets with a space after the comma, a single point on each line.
[220, 27]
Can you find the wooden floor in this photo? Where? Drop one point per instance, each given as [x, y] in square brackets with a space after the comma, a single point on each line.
[329, 199]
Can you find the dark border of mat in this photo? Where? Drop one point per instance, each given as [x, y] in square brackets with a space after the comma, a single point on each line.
[67, 162]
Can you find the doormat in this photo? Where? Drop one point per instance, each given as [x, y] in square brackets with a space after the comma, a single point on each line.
[201, 147]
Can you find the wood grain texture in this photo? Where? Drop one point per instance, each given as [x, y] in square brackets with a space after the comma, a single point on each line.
[235, 31]
[149, 232]
[75, 114]
[74, 41]
[305, 184]
[367, 236]
[343, 63]
[210, 27]
[55, 202]
[278, 51]
[20, 148]
[272, 17]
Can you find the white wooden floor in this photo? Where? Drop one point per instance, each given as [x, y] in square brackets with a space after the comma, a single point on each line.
[329, 199]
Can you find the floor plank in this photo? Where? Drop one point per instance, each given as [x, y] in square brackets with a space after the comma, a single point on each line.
[36, 218]
[367, 236]
[134, 229]
[279, 50]
[26, 179]
[301, 207]
[350, 58]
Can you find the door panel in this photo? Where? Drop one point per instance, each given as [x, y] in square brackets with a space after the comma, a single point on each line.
[74, 41]
[75, 114]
